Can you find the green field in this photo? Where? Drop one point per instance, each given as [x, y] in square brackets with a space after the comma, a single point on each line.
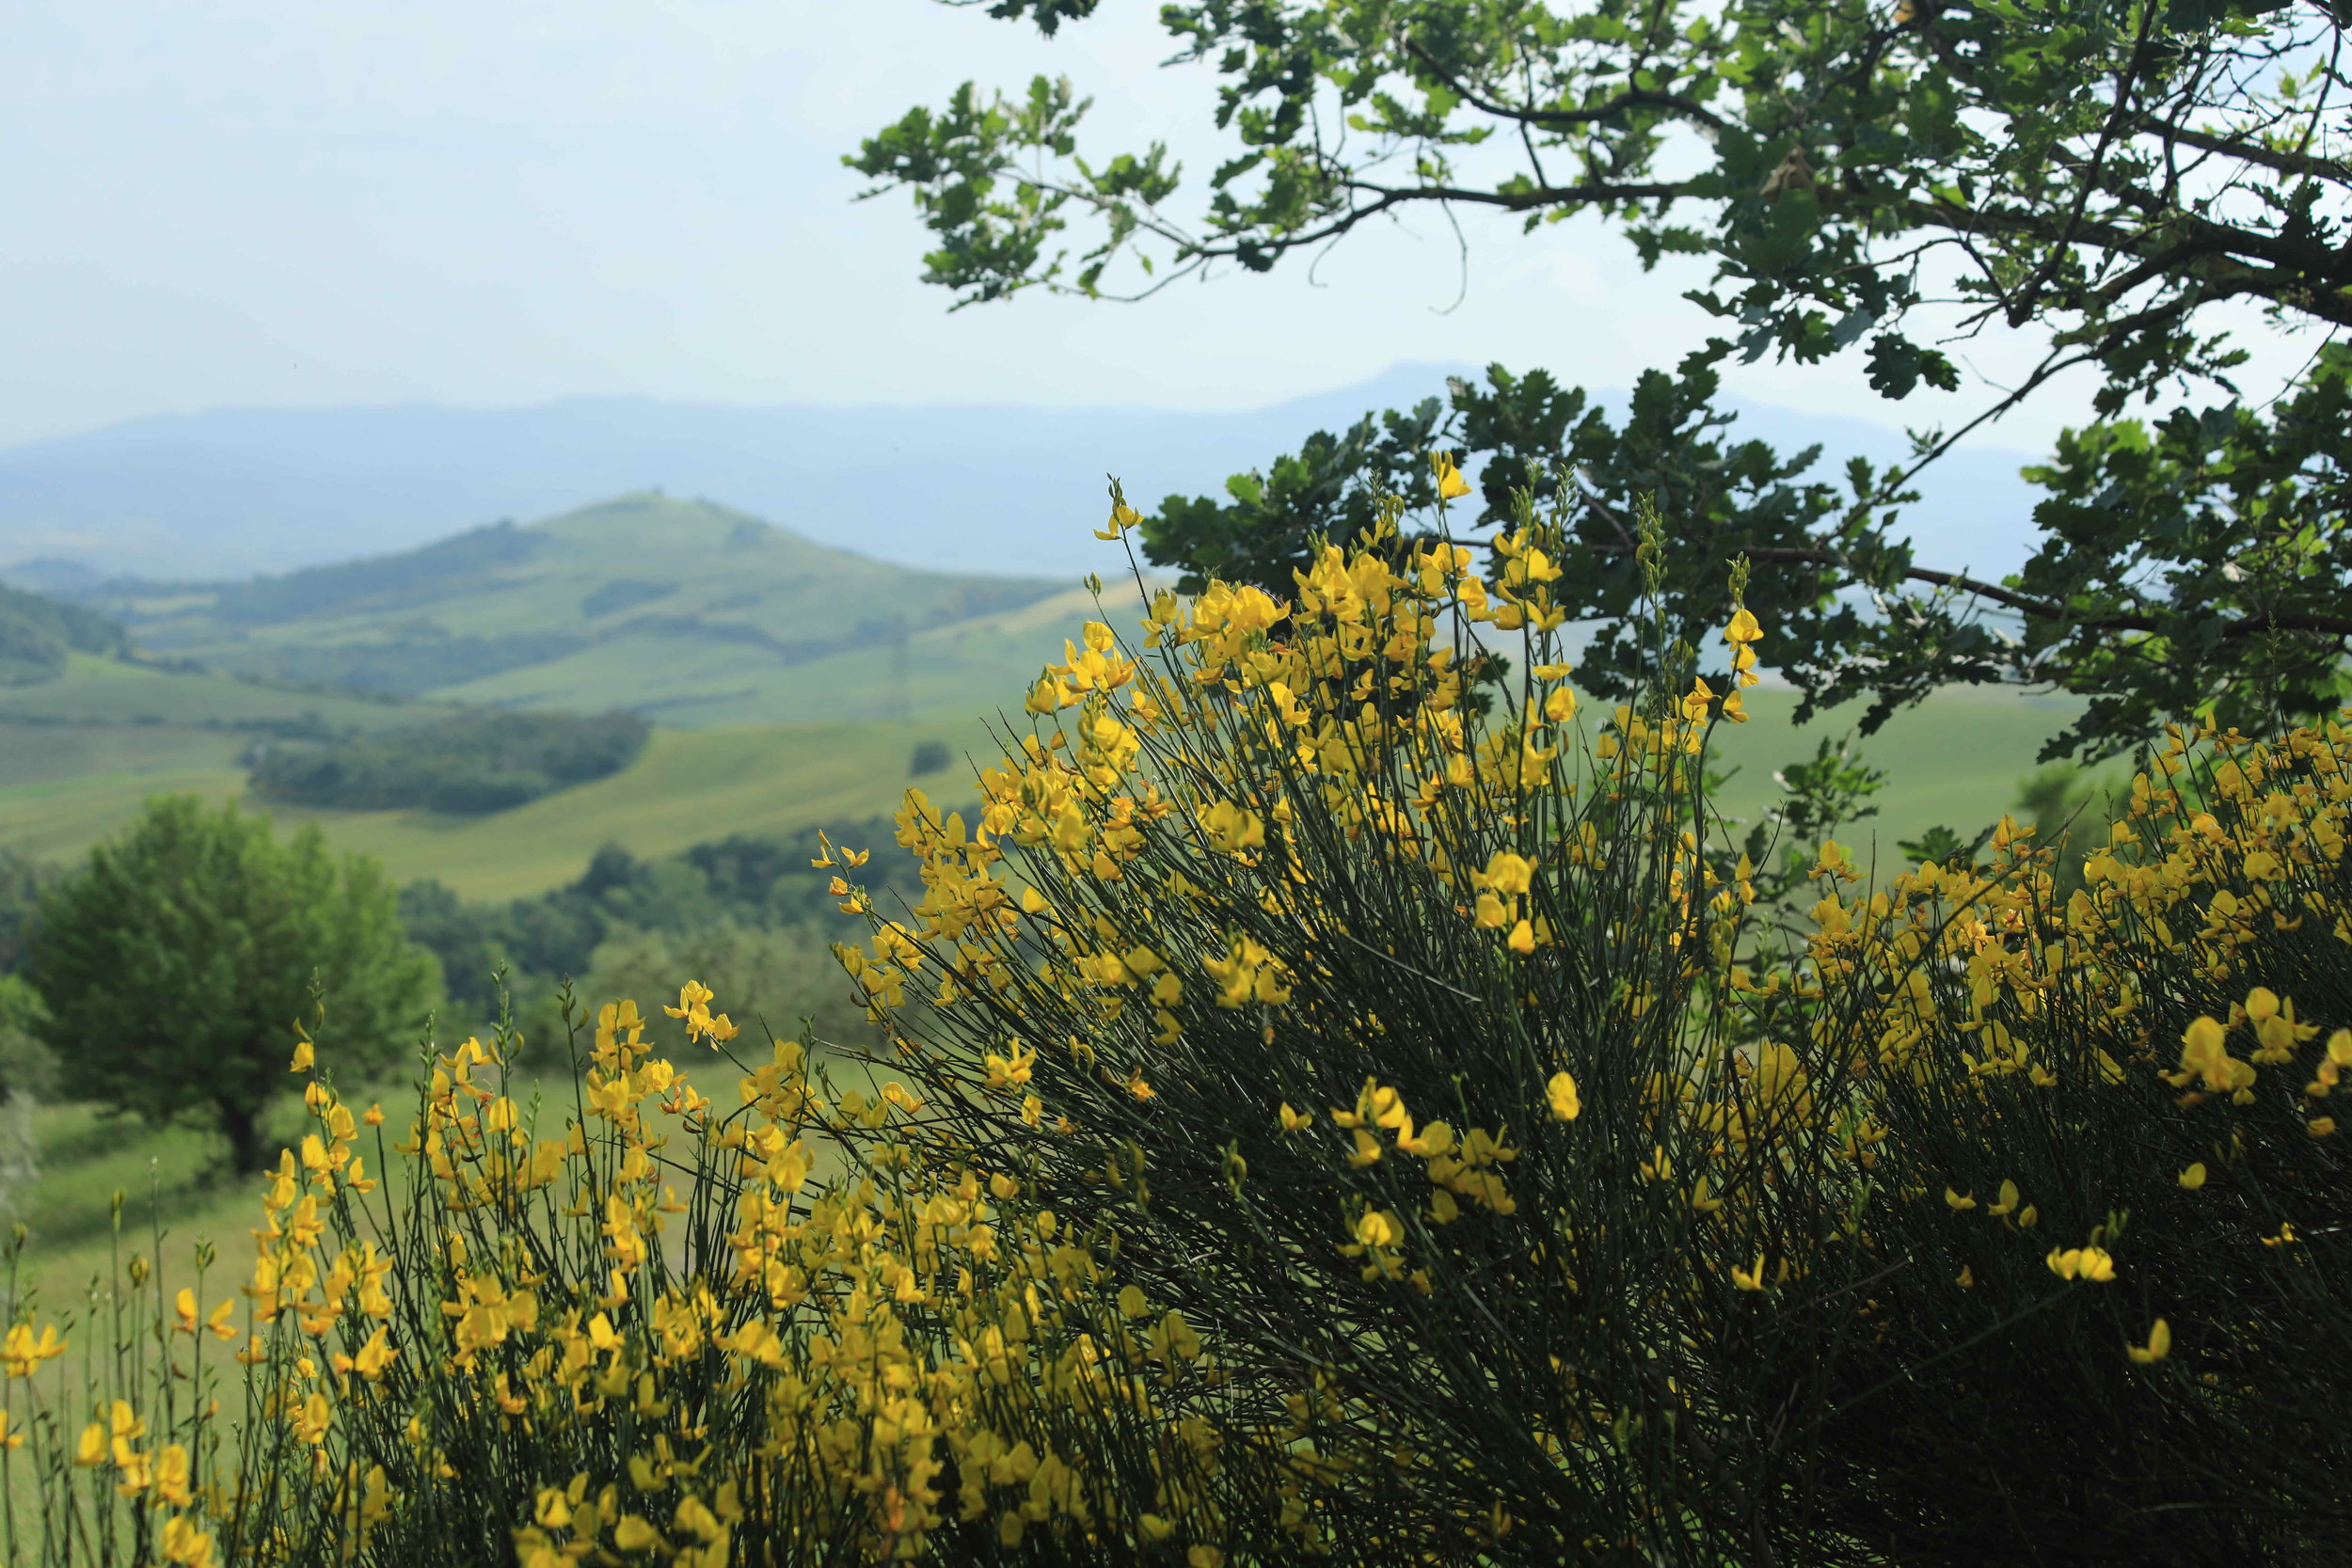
[96, 691]
[969, 666]
[688, 787]
[1955, 760]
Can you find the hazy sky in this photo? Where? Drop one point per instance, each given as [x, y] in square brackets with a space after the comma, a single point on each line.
[304, 203]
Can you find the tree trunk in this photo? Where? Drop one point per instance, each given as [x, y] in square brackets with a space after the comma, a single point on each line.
[242, 1122]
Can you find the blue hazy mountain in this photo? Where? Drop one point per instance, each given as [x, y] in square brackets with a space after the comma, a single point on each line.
[234, 492]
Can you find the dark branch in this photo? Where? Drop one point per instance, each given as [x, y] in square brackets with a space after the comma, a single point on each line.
[2246, 625]
[2248, 151]
[1631, 98]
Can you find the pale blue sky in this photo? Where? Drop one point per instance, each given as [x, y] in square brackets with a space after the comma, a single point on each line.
[310, 204]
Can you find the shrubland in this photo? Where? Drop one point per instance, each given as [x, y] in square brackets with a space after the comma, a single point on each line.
[1330, 1113]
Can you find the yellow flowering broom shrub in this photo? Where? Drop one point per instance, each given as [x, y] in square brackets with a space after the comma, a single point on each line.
[1337, 1113]
[2100, 1308]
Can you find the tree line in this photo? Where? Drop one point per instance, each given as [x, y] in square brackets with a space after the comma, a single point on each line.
[468, 763]
[166, 976]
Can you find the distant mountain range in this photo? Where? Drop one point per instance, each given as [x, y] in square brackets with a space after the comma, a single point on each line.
[235, 492]
[687, 612]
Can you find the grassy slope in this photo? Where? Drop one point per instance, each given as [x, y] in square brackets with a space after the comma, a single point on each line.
[97, 690]
[1956, 759]
[972, 666]
[59, 754]
[691, 787]
[687, 611]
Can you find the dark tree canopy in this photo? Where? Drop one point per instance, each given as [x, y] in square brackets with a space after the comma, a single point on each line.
[36, 634]
[468, 763]
[175, 968]
[2103, 172]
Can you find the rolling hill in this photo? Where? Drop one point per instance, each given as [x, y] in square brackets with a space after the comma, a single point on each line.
[231, 491]
[791, 684]
[687, 612]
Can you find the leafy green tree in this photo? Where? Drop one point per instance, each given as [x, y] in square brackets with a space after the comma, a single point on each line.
[2103, 172]
[175, 967]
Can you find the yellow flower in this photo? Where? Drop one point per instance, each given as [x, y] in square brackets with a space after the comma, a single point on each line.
[2194, 1177]
[1451, 484]
[1561, 1092]
[692, 997]
[22, 1353]
[1749, 1278]
[2089, 1263]
[172, 1475]
[1958, 1201]
[633, 1534]
[374, 1355]
[1506, 873]
[187, 1545]
[303, 1057]
[1123, 519]
[2205, 1058]
[2159, 1345]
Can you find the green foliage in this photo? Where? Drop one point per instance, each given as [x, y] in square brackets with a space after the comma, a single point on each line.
[743, 883]
[174, 968]
[775, 978]
[23, 883]
[475, 763]
[25, 1066]
[36, 634]
[2204, 561]
[930, 756]
[2101, 176]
